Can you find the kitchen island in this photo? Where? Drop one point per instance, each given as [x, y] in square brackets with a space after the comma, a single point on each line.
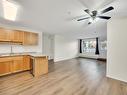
[36, 63]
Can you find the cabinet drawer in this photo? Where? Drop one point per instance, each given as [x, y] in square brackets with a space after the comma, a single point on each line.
[5, 59]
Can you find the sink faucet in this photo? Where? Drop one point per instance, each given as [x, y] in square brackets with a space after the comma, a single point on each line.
[11, 49]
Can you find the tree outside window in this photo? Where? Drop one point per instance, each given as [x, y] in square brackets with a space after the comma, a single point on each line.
[88, 45]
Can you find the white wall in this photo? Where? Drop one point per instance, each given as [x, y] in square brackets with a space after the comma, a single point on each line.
[117, 49]
[65, 48]
[48, 45]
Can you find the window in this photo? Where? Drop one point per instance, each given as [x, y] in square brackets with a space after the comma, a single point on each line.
[88, 45]
[104, 45]
[10, 10]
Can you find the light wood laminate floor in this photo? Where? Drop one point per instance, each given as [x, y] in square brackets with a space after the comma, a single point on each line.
[71, 77]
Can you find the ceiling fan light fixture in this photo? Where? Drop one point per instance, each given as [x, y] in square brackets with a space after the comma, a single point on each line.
[96, 19]
[91, 20]
[95, 15]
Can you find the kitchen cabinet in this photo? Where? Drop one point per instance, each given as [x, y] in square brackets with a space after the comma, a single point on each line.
[17, 36]
[17, 64]
[30, 38]
[5, 66]
[40, 65]
[26, 63]
[34, 38]
[5, 35]
[13, 64]
[26, 38]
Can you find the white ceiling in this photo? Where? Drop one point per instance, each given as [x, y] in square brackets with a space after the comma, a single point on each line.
[58, 16]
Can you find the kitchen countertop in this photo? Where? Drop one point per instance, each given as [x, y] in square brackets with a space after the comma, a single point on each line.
[33, 54]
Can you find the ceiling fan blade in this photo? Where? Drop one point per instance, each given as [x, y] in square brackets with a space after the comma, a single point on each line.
[104, 17]
[107, 10]
[83, 19]
[87, 11]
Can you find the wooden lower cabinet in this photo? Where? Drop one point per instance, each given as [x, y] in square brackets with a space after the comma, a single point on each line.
[15, 64]
[5, 67]
[26, 63]
[40, 66]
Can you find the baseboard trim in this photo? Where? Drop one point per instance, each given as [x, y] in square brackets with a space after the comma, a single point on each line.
[51, 60]
[102, 59]
[88, 58]
[118, 79]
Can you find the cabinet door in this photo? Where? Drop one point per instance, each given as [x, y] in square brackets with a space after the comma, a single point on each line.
[17, 64]
[34, 38]
[5, 67]
[26, 38]
[17, 36]
[26, 63]
[5, 35]
[30, 38]
[40, 66]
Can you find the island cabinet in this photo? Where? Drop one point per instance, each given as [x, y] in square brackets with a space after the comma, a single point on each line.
[14, 64]
[39, 65]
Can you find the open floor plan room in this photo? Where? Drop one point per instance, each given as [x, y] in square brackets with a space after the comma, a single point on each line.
[63, 47]
[77, 76]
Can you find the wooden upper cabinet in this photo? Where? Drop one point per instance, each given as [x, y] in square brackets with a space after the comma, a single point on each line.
[34, 38]
[30, 38]
[17, 36]
[5, 35]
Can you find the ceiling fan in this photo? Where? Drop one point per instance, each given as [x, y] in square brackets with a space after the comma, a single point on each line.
[95, 14]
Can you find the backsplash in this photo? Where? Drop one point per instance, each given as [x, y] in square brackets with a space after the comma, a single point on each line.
[5, 48]
[17, 48]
